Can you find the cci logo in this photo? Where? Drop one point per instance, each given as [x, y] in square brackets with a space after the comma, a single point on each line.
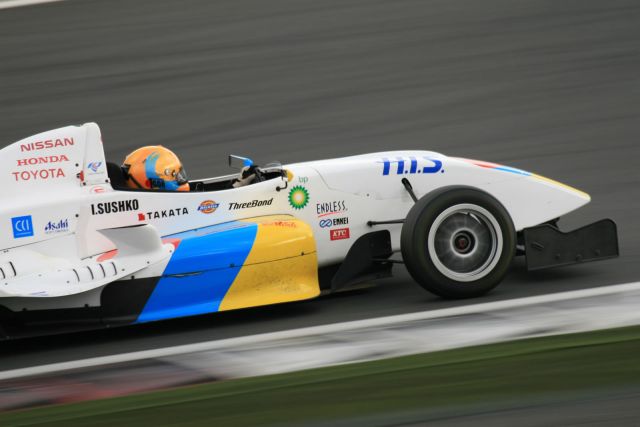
[410, 165]
[22, 226]
[326, 223]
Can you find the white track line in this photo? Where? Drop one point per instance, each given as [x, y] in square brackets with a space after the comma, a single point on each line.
[318, 330]
[19, 3]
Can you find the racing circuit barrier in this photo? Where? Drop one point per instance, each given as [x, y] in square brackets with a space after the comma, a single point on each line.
[313, 347]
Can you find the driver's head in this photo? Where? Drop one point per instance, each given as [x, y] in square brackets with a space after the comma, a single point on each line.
[155, 168]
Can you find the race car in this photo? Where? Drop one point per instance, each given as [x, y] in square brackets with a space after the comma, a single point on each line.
[80, 249]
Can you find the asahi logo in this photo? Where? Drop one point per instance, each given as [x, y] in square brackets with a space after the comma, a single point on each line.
[57, 226]
[114, 207]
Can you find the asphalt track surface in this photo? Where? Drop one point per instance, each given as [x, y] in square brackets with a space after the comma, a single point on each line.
[547, 86]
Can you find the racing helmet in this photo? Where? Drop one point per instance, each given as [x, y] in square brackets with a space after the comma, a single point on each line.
[155, 167]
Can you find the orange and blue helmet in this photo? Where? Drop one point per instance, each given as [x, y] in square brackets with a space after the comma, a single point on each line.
[155, 168]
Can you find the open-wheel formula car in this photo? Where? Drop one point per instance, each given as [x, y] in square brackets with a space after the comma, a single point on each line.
[81, 250]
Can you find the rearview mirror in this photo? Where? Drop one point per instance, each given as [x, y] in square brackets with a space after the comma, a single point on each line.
[237, 162]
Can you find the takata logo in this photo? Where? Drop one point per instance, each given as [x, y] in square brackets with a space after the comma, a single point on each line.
[208, 206]
[22, 226]
[339, 234]
[410, 165]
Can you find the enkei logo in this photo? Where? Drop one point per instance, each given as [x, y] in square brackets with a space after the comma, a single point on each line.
[339, 234]
[410, 165]
[22, 226]
[208, 206]
[332, 222]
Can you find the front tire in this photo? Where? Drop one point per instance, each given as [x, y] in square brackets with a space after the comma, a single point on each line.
[458, 242]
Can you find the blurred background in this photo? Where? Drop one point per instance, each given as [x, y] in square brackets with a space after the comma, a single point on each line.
[544, 85]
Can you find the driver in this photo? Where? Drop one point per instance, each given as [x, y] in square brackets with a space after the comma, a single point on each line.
[155, 167]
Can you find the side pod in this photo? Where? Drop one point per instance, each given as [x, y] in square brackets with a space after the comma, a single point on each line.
[546, 246]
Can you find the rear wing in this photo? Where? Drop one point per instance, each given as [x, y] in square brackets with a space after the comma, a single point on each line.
[62, 159]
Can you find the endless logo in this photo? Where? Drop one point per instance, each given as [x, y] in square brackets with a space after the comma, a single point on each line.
[208, 206]
[57, 227]
[432, 166]
[330, 208]
[114, 207]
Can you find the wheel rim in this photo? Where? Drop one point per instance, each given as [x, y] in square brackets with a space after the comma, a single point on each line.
[465, 242]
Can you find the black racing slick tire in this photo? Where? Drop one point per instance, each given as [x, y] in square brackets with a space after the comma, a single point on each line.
[458, 242]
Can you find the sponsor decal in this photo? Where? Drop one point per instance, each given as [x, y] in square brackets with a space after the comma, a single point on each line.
[165, 213]
[208, 206]
[57, 227]
[44, 145]
[331, 208]
[114, 207]
[298, 197]
[251, 204]
[98, 189]
[332, 222]
[22, 226]
[303, 179]
[39, 174]
[31, 161]
[286, 224]
[339, 234]
[410, 165]
[94, 166]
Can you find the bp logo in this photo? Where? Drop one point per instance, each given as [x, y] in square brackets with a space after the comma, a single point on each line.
[298, 197]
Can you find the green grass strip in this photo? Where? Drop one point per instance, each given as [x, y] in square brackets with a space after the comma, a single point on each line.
[493, 373]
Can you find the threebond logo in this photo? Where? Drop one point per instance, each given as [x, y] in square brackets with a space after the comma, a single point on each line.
[208, 206]
[22, 226]
[298, 197]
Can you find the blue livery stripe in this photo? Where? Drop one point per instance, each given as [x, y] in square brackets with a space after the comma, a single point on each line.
[201, 271]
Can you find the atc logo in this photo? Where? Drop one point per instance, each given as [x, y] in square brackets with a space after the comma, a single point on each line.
[339, 234]
[208, 206]
[22, 226]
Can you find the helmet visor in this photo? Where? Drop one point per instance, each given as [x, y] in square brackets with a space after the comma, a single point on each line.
[181, 177]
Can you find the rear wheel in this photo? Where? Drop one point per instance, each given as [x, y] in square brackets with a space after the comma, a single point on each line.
[458, 242]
